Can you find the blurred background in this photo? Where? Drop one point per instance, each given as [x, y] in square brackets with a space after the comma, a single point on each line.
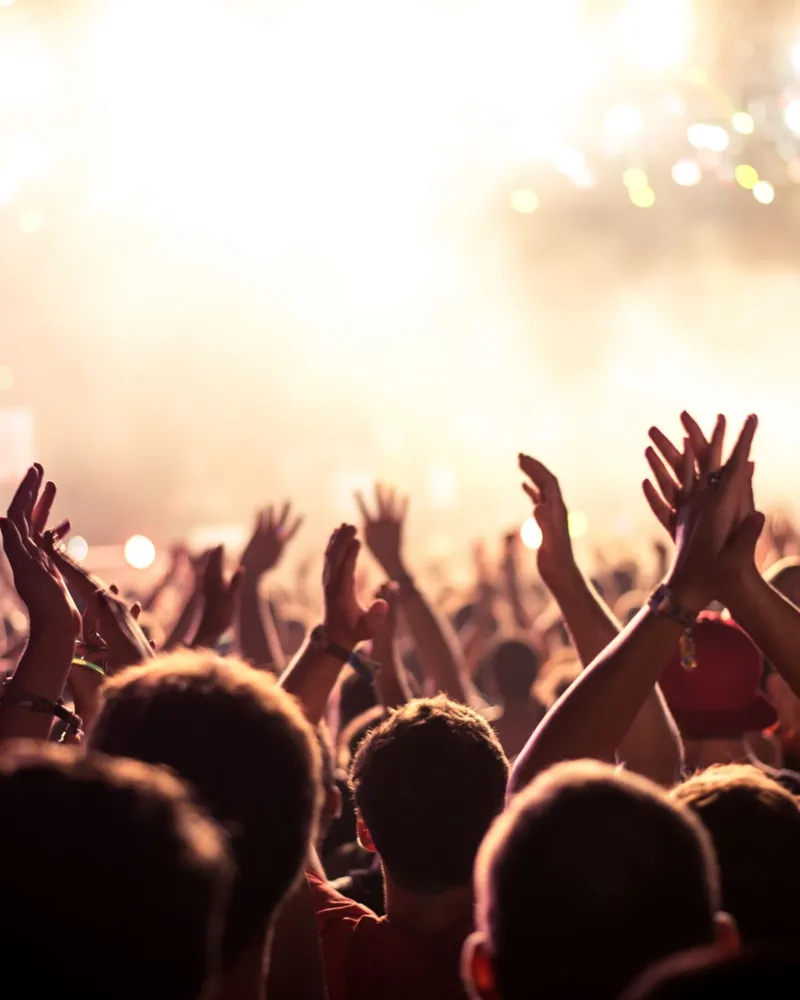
[256, 249]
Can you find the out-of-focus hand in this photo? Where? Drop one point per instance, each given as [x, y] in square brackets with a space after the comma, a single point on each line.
[383, 532]
[347, 622]
[117, 626]
[554, 557]
[270, 536]
[36, 578]
[386, 633]
[712, 540]
[220, 600]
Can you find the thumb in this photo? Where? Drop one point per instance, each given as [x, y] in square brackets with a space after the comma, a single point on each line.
[745, 536]
[375, 617]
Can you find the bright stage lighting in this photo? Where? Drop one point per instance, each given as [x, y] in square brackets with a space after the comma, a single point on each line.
[140, 553]
[655, 35]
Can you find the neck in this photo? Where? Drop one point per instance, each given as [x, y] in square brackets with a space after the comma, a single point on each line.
[703, 753]
[246, 977]
[427, 914]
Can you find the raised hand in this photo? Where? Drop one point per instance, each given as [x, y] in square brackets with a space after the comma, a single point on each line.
[712, 540]
[386, 632]
[220, 600]
[554, 556]
[117, 626]
[271, 533]
[347, 622]
[36, 578]
[383, 532]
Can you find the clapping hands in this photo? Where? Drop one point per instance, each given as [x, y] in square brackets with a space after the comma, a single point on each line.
[347, 621]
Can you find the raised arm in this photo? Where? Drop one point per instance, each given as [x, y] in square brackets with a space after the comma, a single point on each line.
[391, 683]
[220, 601]
[258, 637]
[652, 745]
[313, 672]
[623, 675]
[436, 644]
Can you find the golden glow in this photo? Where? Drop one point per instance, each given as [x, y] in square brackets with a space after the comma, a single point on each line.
[634, 179]
[642, 197]
[531, 534]
[791, 115]
[524, 201]
[30, 221]
[140, 553]
[656, 34]
[687, 173]
[764, 192]
[746, 176]
[6, 377]
[743, 123]
[578, 524]
[78, 548]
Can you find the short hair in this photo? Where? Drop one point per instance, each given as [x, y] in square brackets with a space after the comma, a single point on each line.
[244, 744]
[755, 826]
[514, 665]
[113, 880]
[428, 781]
[599, 857]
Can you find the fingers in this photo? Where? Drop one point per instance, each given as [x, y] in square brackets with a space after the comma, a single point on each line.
[375, 617]
[12, 542]
[666, 483]
[293, 529]
[696, 436]
[402, 509]
[21, 503]
[538, 473]
[671, 454]
[533, 493]
[741, 450]
[41, 512]
[362, 506]
[658, 505]
[284, 516]
[337, 551]
[714, 457]
[688, 476]
[136, 610]
[114, 589]
[236, 584]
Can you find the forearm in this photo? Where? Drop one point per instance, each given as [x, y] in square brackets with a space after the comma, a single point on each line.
[522, 618]
[42, 672]
[259, 644]
[772, 622]
[391, 684]
[652, 745]
[593, 717]
[311, 677]
[186, 619]
[435, 641]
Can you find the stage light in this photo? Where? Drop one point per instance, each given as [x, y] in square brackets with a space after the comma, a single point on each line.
[634, 178]
[524, 201]
[570, 162]
[743, 123]
[77, 548]
[746, 176]
[623, 122]
[578, 524]
[642, 197]
[140, 553]
[764, 192]
[30, 221]
[655, 35]
[697, 134]
[531, 534]
[687, 173]
[717, 139]
[791, 115]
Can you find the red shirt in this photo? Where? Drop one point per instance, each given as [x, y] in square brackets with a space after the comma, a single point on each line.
[366, 958]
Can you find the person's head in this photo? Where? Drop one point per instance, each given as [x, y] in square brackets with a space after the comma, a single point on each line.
[427, 783]
[704, 973]
[755, 826]
[114, 882]
[589, 876]
[785, 578]
[244, 744]
[513, 667]
[719, 702]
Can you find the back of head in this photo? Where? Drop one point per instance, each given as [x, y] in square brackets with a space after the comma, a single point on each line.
[244, 744]
[113, 881]
[514, 665]
[755, 826]
[590, 876]
[705, 973]
[427, 782]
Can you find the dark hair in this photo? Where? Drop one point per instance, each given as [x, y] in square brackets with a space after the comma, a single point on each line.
[755, 827]
[601, 859]
[247, 749]
[113, 881]
[428, 782]
[515, 665]
[704, 973]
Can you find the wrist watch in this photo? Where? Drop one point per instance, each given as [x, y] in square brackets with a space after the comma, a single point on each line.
[362, 665]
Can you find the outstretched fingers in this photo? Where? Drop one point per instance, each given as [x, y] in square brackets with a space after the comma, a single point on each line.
[672, 456]
[662, 510]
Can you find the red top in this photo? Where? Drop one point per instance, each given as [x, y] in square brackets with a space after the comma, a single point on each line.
[366, 958]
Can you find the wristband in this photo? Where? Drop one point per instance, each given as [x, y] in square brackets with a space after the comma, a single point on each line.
[363, 665]
[664, 603]
[35, 703]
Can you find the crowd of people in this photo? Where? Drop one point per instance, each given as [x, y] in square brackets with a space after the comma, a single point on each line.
[570, 788]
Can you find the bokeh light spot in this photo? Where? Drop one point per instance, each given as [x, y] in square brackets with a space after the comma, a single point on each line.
[524, 201]
[140, 553]
[531, 534]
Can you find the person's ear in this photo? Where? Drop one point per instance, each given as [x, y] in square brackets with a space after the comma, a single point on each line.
[364, 836]
[476, 968]
[726, 934]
